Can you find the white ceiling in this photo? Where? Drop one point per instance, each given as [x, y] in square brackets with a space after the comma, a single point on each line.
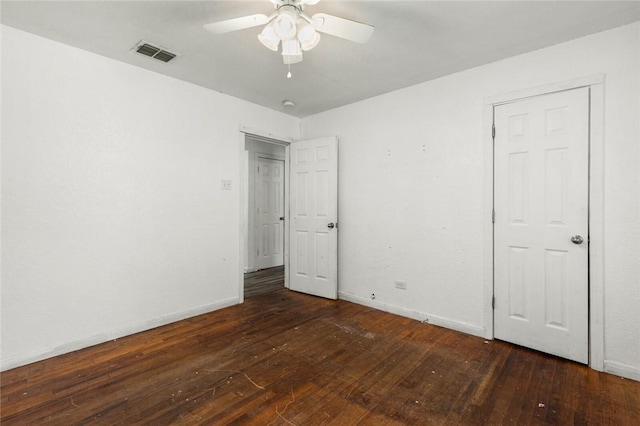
[414, 41]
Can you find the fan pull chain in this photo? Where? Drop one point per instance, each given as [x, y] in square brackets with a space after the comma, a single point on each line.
[289, 73]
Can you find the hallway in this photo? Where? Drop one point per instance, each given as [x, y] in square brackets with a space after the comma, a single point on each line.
[263, 281]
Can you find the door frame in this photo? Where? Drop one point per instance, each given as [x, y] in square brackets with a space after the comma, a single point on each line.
[257, 134]
[256, 220]
[596, 205]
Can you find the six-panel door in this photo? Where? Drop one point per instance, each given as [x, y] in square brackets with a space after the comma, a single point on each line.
[270, 212]
[314, 214]
[541, 213]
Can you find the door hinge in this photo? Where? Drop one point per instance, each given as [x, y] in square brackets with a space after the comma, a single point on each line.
[493, 302]
[493, 131]
[493, 216]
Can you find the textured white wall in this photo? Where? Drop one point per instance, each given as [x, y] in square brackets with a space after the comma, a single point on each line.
[113, 216]
[411, 187]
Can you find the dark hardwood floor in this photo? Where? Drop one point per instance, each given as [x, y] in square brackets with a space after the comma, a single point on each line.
[284, 358]
[263, 281]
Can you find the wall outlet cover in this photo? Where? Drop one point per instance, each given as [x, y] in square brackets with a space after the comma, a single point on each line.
[402, 285]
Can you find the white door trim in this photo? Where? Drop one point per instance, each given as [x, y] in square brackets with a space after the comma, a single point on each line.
[596, 205]
[242, 180]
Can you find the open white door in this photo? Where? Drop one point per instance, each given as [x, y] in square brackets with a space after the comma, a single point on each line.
[314, 214]
[541, 223]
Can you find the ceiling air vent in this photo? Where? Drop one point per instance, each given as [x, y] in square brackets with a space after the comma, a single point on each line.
[154, 52]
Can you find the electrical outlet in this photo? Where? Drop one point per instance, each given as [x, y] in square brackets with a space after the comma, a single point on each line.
[402, 285]
[226, 184]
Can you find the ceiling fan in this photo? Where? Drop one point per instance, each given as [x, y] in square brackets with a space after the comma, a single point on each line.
[293, 28]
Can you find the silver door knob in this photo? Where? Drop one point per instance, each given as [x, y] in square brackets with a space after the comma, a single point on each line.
[331, 225]
[577, 239]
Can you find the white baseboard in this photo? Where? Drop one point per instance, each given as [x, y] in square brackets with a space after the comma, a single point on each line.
[24, 359]
[622, 370]
[419, 316]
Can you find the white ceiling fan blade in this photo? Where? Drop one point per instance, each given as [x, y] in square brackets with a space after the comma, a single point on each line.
[237, 24]
[343, 28]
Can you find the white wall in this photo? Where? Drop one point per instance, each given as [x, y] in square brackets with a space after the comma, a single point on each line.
[411, 188]
[113, 216]
[254, 147]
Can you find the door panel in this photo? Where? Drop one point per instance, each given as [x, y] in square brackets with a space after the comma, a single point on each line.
[270, 205]
[314, 210]
[541, 201]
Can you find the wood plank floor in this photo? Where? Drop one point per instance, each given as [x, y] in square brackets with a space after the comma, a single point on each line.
[284, 358]
[263, 281]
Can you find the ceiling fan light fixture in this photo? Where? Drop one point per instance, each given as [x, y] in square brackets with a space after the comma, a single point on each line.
[291, 52]
[308, 36]
[291, 48]
[269, 38]
[285, 23]
[288, 26]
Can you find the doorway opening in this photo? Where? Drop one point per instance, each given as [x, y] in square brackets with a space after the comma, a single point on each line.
[264, 215]
[310, 213]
